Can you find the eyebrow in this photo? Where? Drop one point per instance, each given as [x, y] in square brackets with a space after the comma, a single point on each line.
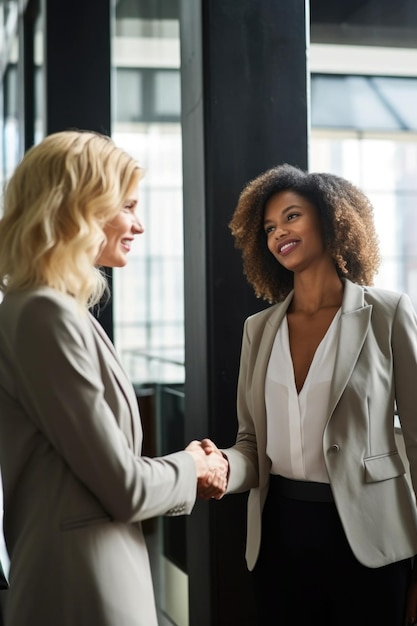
[285, 211]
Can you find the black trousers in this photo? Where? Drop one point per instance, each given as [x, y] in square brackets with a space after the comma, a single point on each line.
[307, 575]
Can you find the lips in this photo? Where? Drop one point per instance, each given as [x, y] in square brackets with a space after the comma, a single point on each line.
[126, 243]
[286, 247]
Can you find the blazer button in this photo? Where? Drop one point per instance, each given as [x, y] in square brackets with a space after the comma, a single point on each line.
[334, 448]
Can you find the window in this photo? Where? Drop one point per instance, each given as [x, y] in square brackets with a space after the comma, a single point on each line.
[365, 129]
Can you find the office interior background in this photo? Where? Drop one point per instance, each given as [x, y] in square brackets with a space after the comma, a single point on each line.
[207, 94]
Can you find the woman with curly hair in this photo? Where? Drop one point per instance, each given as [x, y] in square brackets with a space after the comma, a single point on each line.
[332, 519]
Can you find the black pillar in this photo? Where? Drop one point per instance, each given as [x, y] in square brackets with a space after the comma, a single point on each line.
[77, 53]
[78, 65]
[245, 109]
[27, 117]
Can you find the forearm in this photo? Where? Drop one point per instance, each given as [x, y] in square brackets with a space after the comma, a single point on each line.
[243, 470]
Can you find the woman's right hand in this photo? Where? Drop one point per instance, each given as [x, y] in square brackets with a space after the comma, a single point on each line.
[212, 469]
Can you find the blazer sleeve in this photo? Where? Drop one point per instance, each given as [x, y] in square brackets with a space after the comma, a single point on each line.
[404, 346]
[243, 456]
[60, 386]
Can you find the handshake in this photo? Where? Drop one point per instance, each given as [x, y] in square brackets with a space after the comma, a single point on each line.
[212, 469]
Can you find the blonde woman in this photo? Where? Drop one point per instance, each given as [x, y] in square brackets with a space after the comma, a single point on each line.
[76, 487]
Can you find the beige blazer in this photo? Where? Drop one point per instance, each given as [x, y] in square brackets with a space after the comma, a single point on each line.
[376, 367]
[75, 485]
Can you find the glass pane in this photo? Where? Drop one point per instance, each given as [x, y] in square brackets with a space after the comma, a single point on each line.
[129, 95]
[386, 170]
[10, 137]
[350, 102]
[401, 96]
[9, 144]
[148, 294]
[167, 93]
[153, 277]
[39, 77]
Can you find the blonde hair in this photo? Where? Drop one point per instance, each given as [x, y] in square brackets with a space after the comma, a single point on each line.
[56, 203]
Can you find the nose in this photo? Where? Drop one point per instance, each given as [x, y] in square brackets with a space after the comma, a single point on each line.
[281, 231]
[137, 227]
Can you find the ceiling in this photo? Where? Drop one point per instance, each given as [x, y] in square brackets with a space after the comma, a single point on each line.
[359, 22]
[364, 22]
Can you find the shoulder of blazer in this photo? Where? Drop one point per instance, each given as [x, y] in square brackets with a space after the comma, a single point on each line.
[45, 306]
[269, 315]
[389, 299]
[359, 296]
[21, 299]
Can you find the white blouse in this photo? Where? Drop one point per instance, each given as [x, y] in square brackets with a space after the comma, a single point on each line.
[296, 421]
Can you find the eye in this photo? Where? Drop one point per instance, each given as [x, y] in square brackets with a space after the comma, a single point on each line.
[291, 216]
[129, 207]
[269, 229]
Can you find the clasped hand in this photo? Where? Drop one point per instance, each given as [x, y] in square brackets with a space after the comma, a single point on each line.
[212, 469]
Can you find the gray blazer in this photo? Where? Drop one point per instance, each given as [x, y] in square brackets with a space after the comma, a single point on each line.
[75, 485]
[376, 367]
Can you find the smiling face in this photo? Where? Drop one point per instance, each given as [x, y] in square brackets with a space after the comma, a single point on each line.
[120, 232]
[293, 230]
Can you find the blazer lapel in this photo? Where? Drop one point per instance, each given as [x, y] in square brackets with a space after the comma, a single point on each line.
[123, 382]
[266, 342]
[354, 324]
[267, 339]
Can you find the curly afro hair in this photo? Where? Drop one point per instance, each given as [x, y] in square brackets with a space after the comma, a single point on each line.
[345, 213]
